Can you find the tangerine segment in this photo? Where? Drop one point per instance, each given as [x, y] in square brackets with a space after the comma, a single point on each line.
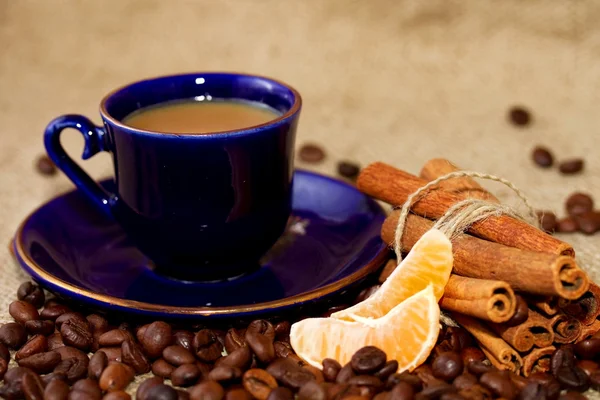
[428, 263]
[406, 334]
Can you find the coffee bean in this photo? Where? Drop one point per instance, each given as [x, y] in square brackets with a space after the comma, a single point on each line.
[368, 359]
[261, 345]
[23, 311]
[97, 364]
[588, 366]
[45, 166]
[161, 392]
[31, 293]
[281, 393]
[547, 220]
[184, 339]
[406, 377]
[519, 116]
[71, 316]
[162, 368]
[571, 166]
[311, 153]
[562, 357]
[311, 391]
[464, 381]
[534, 391]
[447, 366]
[112, 353]
[224, 373]
[282, 349]
[451, 396]
[402, 391]
[587, 349]
[115, 376]
[345, 374]
[132, 355]
[521, 312]
[77, 334]
[237, 393]
[73, 368]
[37, 344]
[282, 329]
[470, 354]
[118, 395]
[234, 339]
[589, 223]
[259, 383]
[114, 337]
[595, 380]
[41, 363]
[3, 367]
[549, 382]
[157, 336]
[207, 345]
[263, 327]
[437, 390]
[71, 352]
[53, 376]
[567, 225]
[12, 335]
[331, 368]
[53, 311]
[97, 323]
[88, 386]
[186, 375]
[142, 390]
[499, 384]
[240, 358]
[177, 355]
[42, 327]
[478, 368]
[572, 396]
[348, 169]
[542, 157]
[573, 378]
[288, 373]
[56, 390]
[207, 390]
[579, 203]
[55, 341]
[459, 338]
[33, 387]
[388, 369]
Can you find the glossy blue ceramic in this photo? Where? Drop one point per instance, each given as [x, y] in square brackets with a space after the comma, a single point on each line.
[332, 244]
[200, 206]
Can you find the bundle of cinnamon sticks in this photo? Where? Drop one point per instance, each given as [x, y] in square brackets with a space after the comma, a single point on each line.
[515, 288]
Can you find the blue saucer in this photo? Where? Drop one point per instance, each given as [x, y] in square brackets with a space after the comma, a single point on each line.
[330, 245]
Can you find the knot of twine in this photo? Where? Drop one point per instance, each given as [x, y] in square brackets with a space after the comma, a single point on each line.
[463, 214]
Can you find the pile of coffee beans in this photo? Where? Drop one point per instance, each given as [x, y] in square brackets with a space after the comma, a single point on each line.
[312, 153]
[544, 158]
[64, 354]
[581, 216]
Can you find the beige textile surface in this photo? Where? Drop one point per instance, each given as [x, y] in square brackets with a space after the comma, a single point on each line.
[399, 81]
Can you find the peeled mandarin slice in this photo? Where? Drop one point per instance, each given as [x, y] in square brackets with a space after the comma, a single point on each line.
[406, 334]
[428, 263]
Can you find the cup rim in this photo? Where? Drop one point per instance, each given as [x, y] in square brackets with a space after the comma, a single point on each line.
[297, 104]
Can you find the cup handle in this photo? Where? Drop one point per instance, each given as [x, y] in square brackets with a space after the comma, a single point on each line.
[95, 141]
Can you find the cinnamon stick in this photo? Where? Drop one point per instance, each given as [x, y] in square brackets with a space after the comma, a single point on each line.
[481, 298]
[535, 331]
[500, 354]
[464, 187]
[566, 329]
[390, 266]
[586, 308]
[548, 305]
[394, 186]
[538, 360]
[587, 331]
[531, 272]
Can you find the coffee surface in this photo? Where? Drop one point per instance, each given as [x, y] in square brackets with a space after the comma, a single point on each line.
[200, 117]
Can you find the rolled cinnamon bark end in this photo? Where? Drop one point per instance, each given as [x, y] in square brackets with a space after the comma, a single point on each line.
[588, 331]
[566, 329]
[526, 271]
[481, 298]
[535, 331]
[547, 305]
[394, 186]
[586, 308]
[538, 360]
[500, 354]
[465, 187]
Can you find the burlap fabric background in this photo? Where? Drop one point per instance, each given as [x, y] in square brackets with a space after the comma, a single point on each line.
[391, 80]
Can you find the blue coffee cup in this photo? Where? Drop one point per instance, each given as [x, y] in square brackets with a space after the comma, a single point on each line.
[201, 207]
